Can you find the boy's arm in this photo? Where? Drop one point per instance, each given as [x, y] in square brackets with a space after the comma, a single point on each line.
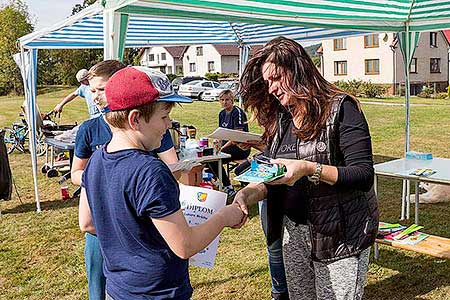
[186, 241]
[78, 166]
[84, 214]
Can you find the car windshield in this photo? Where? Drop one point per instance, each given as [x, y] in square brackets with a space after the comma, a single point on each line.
[225, 85]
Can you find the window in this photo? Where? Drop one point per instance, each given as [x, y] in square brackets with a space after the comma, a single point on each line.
[339, 44]
[435, 65]
[433, 39]
[199, 51]
[371, 41]
[210, 66]
[151, 57]
[163, 56]
[191, 67]
[413, 66]
[340, 67]
[372, 66]
[216, 84]
[207, 84]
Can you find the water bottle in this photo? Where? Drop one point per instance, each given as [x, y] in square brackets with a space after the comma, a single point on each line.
[182, 153]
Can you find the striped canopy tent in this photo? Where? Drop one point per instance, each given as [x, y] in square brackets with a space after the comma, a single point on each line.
[117, 24]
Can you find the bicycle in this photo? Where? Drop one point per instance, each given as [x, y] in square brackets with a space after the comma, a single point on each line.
[17, 135]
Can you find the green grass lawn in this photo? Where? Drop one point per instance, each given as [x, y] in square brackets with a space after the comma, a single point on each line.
[41, 255]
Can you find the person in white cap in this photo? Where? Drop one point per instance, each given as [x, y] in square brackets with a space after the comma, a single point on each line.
[84, 92]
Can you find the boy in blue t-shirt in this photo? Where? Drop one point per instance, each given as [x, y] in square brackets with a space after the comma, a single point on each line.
[131, 199]
[93, 134]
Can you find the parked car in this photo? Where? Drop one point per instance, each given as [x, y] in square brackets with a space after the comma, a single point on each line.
[183, 80]
[213, 95]
[196, 88]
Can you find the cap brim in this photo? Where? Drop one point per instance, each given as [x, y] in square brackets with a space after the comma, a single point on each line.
[175, 98]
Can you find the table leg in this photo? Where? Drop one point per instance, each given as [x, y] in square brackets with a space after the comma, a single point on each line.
[408, 204]
[402, 215]
[220, 175]
[416, 208]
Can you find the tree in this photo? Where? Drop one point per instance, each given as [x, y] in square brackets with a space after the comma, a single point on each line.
[14, 23]
[79, 7]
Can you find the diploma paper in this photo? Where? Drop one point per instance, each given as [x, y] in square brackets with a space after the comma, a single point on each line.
[198, 205]
[234, 135]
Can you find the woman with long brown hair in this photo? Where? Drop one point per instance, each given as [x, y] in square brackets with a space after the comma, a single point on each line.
[324, 207]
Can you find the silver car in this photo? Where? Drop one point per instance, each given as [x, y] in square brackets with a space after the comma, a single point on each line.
[213, 95]
[196, 88]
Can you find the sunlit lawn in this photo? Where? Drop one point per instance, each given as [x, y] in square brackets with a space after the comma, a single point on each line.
[41, 255]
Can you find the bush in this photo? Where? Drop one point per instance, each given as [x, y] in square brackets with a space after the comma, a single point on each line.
[212, 76]
[427, 92]
[359, 88]
[352, 87]
[441, 95]
[371, 90]
[217, 76]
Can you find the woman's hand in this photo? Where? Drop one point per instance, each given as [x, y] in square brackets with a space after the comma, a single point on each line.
[239, 199]
[295, 169]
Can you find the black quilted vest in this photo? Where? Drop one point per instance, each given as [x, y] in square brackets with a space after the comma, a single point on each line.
[342, 221]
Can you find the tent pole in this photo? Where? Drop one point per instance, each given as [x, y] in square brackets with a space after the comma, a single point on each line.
[30, 96]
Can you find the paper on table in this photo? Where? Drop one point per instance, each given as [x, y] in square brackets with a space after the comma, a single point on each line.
[234, 135]
[183, 165]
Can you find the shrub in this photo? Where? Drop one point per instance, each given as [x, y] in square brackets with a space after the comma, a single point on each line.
[427, 92]
[441, 95]
[361, 88]
[212, 76]
[371, 90]
[352, 87]
[448, 92]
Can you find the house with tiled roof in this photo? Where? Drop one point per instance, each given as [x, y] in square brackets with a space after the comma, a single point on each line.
[377, 58]
[201, 59]
[168, 60]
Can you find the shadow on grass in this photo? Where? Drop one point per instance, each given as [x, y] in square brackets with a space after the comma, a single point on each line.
[211, 284]
[417, 275]
[45, 205]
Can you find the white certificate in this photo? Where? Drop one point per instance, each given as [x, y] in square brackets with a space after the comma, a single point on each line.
[198, 205]
[234, 135]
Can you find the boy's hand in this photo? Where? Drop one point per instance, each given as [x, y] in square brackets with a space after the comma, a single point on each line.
[232, 215]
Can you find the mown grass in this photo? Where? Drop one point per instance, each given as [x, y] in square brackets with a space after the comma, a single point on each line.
[41, 255]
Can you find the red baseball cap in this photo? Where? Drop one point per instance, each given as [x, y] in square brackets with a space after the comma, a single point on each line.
[134, 86]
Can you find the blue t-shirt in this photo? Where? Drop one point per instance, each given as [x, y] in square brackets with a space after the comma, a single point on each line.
[95, 133]
[125, 190]
[85, 92]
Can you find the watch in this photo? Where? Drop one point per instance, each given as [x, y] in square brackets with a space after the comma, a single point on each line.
[315, 178]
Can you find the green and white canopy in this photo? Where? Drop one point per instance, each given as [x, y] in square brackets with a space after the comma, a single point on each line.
[116, 24]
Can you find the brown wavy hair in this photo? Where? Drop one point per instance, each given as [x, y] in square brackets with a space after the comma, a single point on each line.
[311, 94]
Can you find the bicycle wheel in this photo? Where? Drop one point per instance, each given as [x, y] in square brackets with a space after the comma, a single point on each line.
[41, 147]
[10, 140]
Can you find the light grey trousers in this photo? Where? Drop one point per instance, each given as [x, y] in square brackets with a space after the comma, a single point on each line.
[343, 279]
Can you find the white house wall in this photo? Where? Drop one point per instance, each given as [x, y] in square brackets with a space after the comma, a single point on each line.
[167, 66]
[355, 55]
[222, 64]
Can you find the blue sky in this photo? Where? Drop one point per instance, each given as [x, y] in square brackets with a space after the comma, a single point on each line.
[49, 12]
